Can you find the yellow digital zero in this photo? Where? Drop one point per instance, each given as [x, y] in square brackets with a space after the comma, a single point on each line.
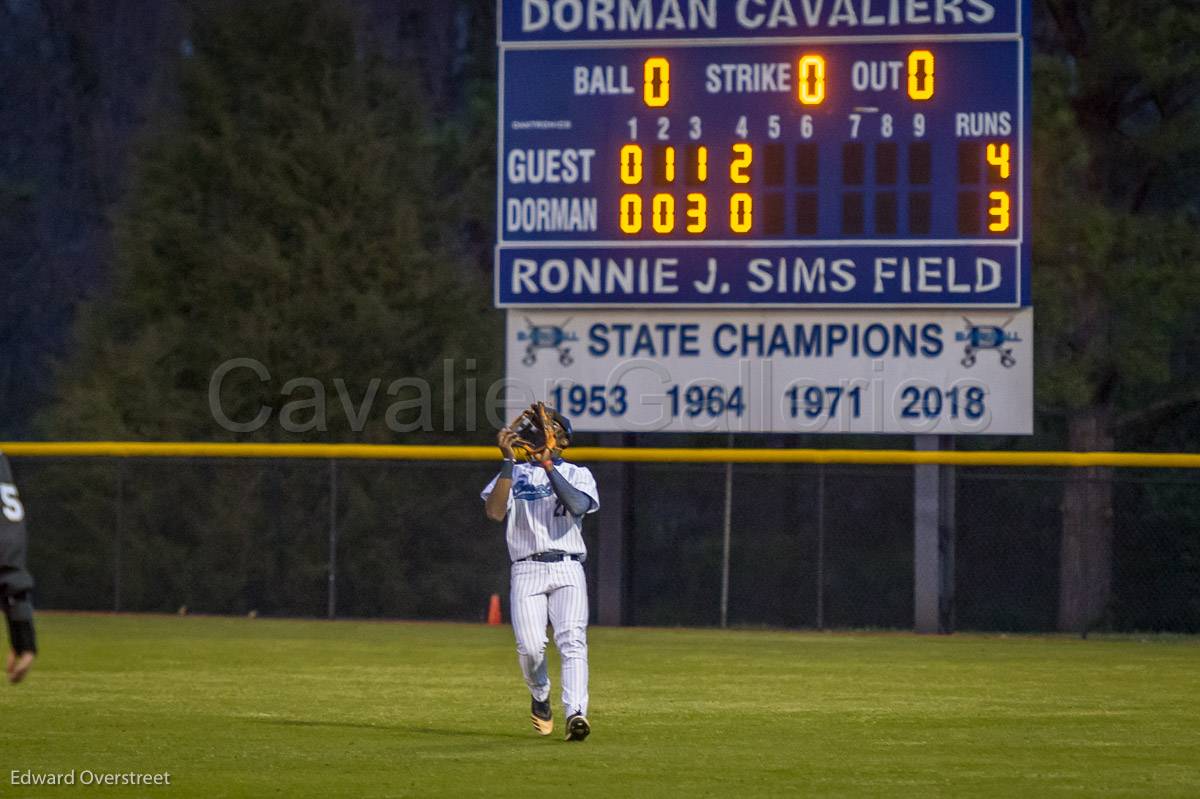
[999, 211]
[810, 88]
[662, 209]
[697, 212]
[631, 214]
[739, 167]
[656, 82]
[998, 156]
[920, 74]
[741, 212]
[631, 164]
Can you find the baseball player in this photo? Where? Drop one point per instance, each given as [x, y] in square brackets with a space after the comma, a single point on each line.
[545, 500]
[15, 583]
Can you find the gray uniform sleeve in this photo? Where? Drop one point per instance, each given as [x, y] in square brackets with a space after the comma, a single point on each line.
[575, 501]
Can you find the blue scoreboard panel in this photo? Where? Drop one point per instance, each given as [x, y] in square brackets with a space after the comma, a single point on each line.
[763, 153]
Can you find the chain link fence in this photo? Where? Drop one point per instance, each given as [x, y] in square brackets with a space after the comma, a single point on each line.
[811, 546]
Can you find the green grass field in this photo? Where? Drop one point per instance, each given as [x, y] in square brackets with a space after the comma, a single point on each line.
[241, 707]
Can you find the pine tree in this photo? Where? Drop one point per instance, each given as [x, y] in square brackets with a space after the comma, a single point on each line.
[286, 213]
[289, 210]
[1116, 246]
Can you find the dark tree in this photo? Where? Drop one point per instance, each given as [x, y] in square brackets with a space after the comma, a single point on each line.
[1117, 157]
[289, 211]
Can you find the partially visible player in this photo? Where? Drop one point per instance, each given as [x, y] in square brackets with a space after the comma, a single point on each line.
[545, 501]
[16, 584]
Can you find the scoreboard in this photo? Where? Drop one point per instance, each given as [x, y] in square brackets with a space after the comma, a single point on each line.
[763, 154]
[767, 215]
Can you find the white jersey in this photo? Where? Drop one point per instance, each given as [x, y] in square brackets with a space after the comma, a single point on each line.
[537, 521]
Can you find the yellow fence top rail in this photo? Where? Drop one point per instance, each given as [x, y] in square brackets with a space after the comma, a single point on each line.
[134, 449]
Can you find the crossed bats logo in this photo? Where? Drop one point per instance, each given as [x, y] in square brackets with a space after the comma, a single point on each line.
[543, 337]
[988, 337]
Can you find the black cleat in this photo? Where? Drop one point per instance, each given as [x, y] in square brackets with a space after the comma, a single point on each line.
[578, 727]
[543, 720]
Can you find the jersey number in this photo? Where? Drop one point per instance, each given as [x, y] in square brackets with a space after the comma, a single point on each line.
[14, 511]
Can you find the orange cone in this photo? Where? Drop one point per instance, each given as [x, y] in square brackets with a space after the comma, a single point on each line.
[494, 610]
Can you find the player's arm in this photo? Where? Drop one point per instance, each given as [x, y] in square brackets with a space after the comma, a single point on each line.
[496, 504]
[576, 501]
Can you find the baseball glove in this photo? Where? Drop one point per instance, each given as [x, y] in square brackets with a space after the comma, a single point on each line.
[535, 432]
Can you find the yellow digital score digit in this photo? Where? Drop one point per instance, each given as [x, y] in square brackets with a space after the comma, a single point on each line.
[702, 164]
[697, 212]
[738, 168]
[741, 212]
[810, 87]
[999, 211]
[631, 214]
[662, 209]
[669, 164]
[998, 156]
[656, 82]
[920, 74]
[631, 164]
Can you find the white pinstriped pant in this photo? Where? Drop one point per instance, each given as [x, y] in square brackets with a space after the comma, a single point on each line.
[554, 592]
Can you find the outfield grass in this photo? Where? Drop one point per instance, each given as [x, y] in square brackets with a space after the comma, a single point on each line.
[240, 707]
